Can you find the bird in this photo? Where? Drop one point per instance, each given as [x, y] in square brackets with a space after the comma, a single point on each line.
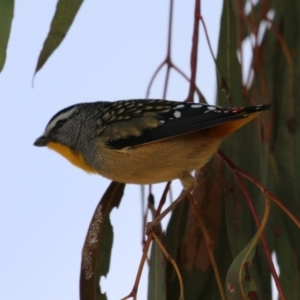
[143, 141]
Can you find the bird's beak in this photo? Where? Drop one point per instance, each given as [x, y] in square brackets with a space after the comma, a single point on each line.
[41, 141]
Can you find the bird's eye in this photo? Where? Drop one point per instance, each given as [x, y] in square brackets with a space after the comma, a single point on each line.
[59, 124]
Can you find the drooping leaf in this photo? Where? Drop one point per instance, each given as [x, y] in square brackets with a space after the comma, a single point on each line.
[64, 16]
[157, 263]
[6, 16]
[157, 276]
[173, 241]
[280, 60]
[98, 243]
[245, 147]
[239, 281]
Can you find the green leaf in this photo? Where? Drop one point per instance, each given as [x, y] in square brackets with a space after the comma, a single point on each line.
[64, 16]
[245, 148]
[157, 263]
[6, 16]
[98, 243]
[287, 258]
[239, 282]
[174, 243]
[280, 61]
[157, 273]
[227, 60]
[238, 219]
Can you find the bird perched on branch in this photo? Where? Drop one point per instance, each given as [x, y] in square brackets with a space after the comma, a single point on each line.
[143, 141]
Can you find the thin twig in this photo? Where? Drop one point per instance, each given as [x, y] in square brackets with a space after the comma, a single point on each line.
[153, 77]
[263, 237]
[211, 50]
[173, 262]
[168, 60]
[209, 245]
[134, 290]
[261, 187]
[151, 225]
[163, 199]
[238, 174]
[194, 52]
[270, 195]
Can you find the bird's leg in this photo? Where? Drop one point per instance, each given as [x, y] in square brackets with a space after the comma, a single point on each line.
[188, 181]
[151, 225]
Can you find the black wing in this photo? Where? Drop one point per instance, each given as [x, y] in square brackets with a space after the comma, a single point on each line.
[148, 121]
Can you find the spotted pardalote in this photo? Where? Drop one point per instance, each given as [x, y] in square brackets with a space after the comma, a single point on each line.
[143, 141]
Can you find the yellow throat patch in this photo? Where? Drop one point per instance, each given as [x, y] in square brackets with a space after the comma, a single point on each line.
[75, 158]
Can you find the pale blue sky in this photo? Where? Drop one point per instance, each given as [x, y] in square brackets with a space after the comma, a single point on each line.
[110, 53]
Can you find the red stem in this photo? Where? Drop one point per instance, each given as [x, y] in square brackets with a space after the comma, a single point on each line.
[238, 174]
[194, 52]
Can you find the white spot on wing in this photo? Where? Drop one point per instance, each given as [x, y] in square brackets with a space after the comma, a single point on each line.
[211, 107]
[196, 106]
[179, 106]
[177, 114]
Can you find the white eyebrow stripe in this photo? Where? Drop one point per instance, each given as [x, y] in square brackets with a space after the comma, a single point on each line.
[62, 116]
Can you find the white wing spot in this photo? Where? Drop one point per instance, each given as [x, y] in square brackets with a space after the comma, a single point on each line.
[211, 107]
[162, 121]
[196, 106]
[234, 111]
[177, 114]
[179, 106]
